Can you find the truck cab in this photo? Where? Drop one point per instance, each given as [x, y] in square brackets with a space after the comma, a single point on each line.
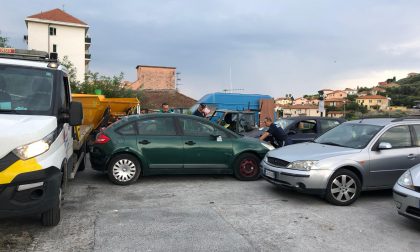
[37, 134]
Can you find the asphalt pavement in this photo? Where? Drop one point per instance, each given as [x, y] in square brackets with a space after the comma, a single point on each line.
[209, 213]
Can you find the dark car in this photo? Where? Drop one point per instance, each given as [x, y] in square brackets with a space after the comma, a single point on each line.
[306, 128]
[174, 144]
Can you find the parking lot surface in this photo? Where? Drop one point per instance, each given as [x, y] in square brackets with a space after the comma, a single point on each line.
[209, 213]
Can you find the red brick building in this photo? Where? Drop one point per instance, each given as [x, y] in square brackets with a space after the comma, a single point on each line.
[154, 78]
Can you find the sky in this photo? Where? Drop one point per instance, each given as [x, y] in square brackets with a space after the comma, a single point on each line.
[273, 47]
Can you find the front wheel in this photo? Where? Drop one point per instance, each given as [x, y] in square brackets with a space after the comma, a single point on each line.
[247, 167]
[343, 188]
[124, 169]
[52, 216]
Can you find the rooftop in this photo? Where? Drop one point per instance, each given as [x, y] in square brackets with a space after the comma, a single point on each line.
[58, 16]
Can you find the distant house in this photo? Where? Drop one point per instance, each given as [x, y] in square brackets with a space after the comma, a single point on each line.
[412, 75]
[300, 110]
[327, 91]
[313, 101]
[300, 101]
[336, 94]
[283, 101]
[375, 90]
[350, 91]
[363, 93]
[374, 102]
[336, 114]
[384, 84]
[334, 102]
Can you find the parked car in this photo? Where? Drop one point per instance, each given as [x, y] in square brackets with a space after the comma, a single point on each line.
[366, 154]
[174, 144]
[306, 128]
[407, 193]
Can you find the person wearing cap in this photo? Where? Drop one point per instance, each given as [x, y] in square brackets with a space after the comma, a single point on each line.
[200, 110]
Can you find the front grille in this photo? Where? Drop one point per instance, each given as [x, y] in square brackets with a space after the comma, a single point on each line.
[277, 162]
[413, 210]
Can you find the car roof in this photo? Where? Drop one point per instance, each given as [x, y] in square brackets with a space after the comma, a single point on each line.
[382, 121]
[233, 111]
[312, 118]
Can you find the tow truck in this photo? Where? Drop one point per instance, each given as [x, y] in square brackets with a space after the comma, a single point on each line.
[43, 143]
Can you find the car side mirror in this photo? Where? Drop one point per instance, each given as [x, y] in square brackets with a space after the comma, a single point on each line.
[384, 146]
[76, 113]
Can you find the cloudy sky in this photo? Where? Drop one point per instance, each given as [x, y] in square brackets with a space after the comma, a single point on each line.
[267, 46]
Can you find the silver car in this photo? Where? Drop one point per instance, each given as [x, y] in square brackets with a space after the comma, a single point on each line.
[407, 193]
[367, 154]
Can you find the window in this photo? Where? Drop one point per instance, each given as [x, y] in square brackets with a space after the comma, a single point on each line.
[196, 128]
[307, 126]
[156, 127]
[128, 129]
[326, 125]
[54, 48]
[398, 137]
[53, 31]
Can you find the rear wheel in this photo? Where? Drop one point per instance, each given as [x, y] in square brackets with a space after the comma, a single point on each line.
[52, 216]
[124, 169]
[247, 167]
[343, 188]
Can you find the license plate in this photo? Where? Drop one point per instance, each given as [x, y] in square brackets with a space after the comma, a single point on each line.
[270, 174]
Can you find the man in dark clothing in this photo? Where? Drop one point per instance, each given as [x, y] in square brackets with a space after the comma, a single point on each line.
[277, 134]
[200, 110]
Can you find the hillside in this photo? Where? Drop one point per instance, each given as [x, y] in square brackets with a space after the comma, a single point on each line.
[407, 93]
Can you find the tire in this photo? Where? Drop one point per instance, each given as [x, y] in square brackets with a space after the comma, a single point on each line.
[52, 216]
[247, 167]
[340, 195]
[124, 169]
[82, 165]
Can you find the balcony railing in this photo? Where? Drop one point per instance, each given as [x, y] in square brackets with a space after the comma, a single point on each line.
[88, 40]
[87, 56]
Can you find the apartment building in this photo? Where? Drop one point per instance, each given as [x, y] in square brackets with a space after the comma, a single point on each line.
[374, 102]
[57, 31]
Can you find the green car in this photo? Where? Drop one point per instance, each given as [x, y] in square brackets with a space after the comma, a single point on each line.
[174, 144]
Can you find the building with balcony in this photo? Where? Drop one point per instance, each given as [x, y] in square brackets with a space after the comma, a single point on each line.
[374, 102]
[57, 31]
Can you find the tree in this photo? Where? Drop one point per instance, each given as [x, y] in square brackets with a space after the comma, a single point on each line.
[4, 41]
[72, 70]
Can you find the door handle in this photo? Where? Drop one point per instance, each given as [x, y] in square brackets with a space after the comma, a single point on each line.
[411, 156]
[144, 142]
[190, 142]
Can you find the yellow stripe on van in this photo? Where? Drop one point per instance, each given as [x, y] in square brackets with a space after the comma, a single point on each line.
[19, 167]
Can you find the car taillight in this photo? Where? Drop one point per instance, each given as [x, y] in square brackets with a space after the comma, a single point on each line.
[101, 138]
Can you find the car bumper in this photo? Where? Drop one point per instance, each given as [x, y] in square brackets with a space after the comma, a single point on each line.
[30, 193]
[98, 159]
[407, 202]
[313, 182]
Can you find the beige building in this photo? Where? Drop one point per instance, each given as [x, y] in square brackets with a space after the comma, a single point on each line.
[300, 101]
[300, 110]
[283, 101]
[338, 94]
[60, 32]
[155, 78]
[374, 102]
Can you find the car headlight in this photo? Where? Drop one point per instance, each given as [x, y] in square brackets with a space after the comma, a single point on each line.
[303, 165]
[268, 146]
[36, 148]
[406, 181]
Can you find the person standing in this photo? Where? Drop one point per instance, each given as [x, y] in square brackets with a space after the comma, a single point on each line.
[277, 134]
[200, 110]
[165, 108]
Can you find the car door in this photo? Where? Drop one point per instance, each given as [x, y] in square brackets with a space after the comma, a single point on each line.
[159, 143]
[303, 131]
[205, 145]
[387, 165]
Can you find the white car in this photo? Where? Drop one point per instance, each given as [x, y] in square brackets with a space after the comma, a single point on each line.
[407, 193]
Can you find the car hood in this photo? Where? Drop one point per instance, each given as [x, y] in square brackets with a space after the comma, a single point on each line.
[18, 130]
[310, 151]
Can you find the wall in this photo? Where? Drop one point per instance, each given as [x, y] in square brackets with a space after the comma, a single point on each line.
[155, 78]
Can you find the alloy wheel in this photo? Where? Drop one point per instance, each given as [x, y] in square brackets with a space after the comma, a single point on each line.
[343, 188]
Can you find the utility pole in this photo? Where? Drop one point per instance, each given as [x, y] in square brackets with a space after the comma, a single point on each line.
[177, 80]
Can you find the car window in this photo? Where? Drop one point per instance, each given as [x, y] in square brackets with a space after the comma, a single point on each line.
[326, 125]
[305, 126]
[193, 127]
[246, 123]
[128, 129]
[417, 130]
[398, 137]
[156, 127]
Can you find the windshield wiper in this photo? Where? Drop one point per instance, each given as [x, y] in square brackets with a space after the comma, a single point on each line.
[333, 144]
[8, 111]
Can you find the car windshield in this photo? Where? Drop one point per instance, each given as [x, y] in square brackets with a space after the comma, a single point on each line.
[25, 90]
[283, 123]
[349, 135]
